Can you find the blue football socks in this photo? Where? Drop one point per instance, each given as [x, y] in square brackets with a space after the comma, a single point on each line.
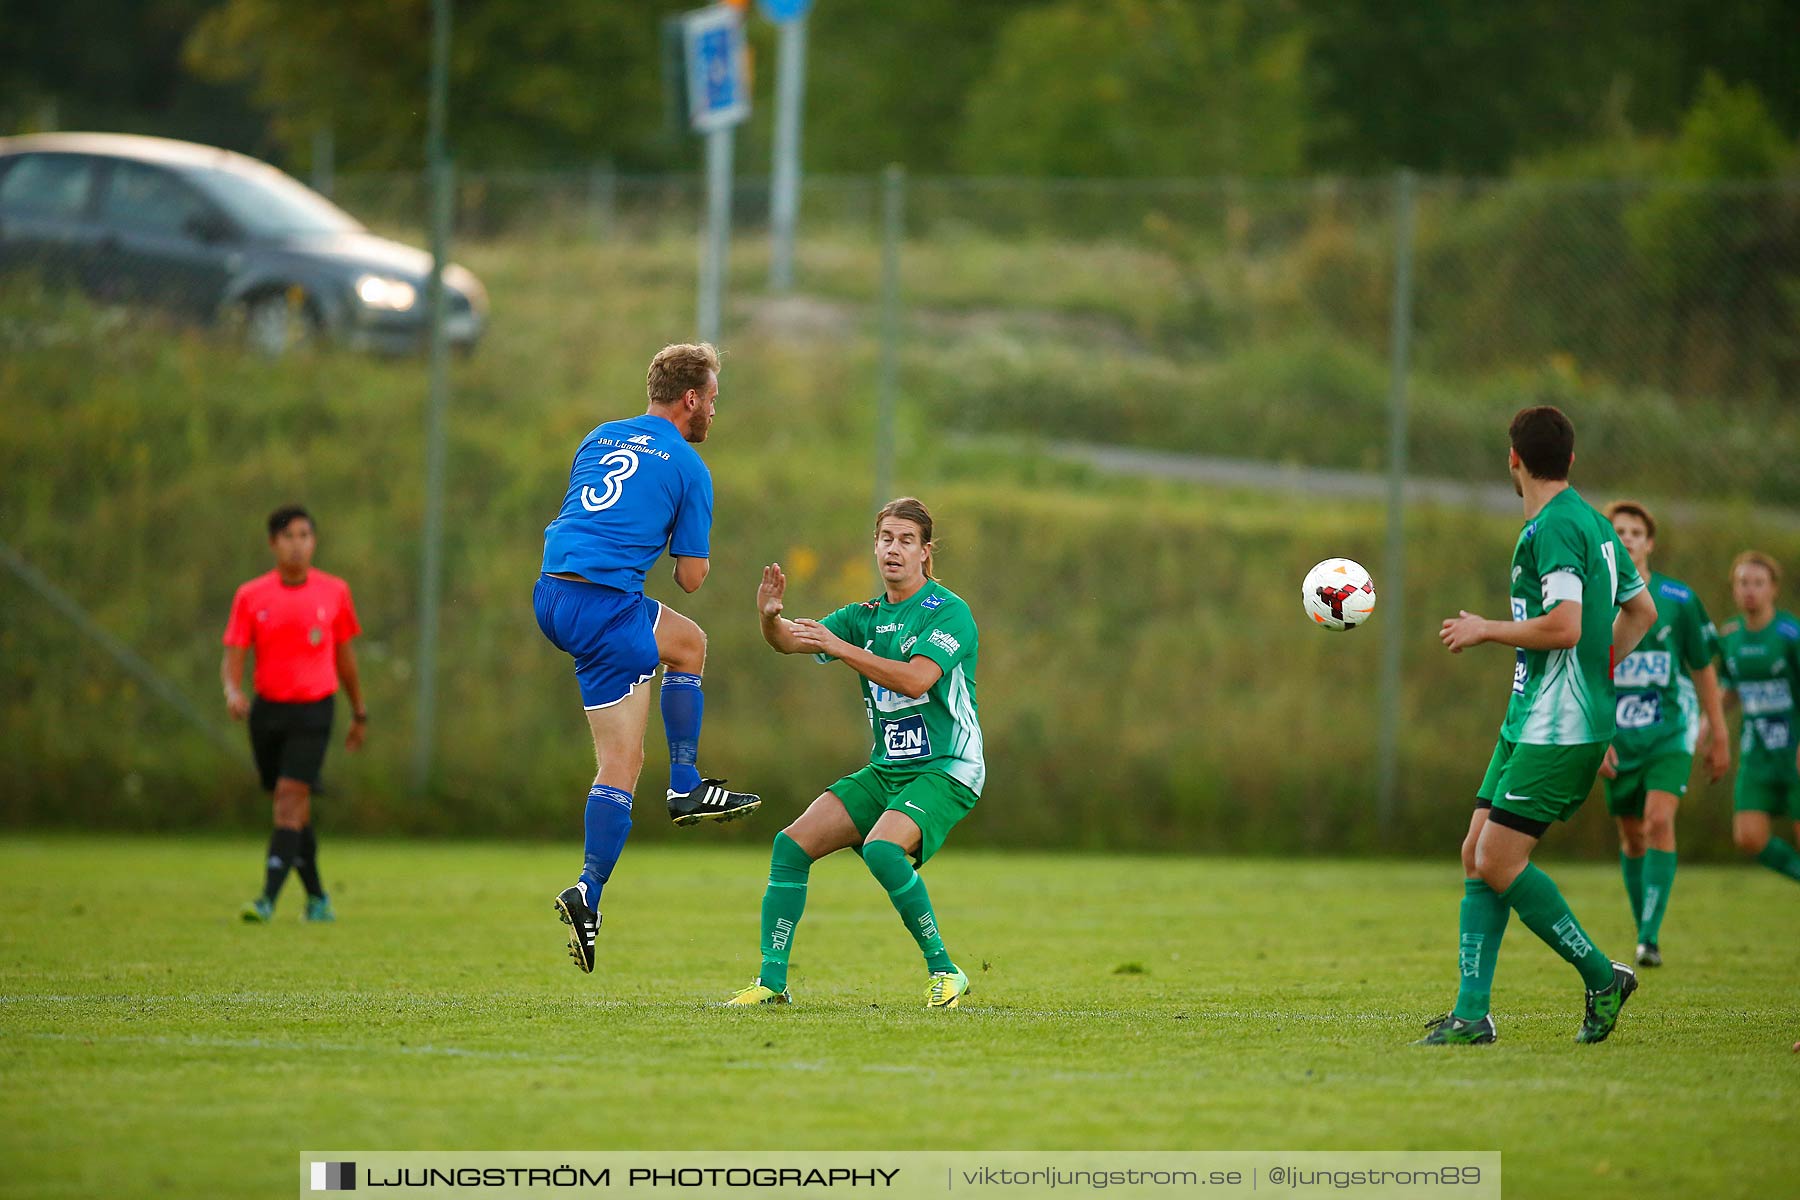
[683, 704]
[607, 823]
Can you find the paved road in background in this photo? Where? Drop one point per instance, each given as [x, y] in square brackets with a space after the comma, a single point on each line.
[1289, 479]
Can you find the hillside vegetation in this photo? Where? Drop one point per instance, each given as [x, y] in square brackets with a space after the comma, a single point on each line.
[1146, 679]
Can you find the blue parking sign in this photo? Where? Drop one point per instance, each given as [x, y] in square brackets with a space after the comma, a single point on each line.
[783, 10]
[718, 83]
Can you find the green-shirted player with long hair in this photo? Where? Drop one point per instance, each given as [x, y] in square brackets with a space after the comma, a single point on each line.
[1577, 600]
[1664, 687]
[913, 648]
[1760, 648]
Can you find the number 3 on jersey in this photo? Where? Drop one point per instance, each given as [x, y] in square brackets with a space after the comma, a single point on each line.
[620, 465]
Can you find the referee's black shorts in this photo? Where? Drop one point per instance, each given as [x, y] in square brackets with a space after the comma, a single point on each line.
[289, 740]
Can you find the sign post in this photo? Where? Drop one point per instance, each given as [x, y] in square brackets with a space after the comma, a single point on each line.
[718, 95]
[790, 91]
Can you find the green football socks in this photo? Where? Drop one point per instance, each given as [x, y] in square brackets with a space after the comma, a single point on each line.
[1633, 870]
[783, 902]
[1484, 917]
[1534, 896]
[1659, 881]
[1779, 857]
[894, 872]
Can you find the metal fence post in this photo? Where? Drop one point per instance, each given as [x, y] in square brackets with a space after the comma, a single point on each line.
[438, 399]
[602, 201]
[1393, 638]
[324, 160]
[893, 228]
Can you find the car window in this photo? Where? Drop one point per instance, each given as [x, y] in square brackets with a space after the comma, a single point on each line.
[151, 199]
[52, 185]
[268, 203]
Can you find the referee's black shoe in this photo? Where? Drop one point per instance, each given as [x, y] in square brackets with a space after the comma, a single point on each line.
[583, 923]
[710, 802]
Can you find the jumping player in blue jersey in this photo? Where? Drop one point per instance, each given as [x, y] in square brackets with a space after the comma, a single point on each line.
[636, 487]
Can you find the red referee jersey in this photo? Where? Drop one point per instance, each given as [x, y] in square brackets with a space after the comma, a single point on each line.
[295, 633]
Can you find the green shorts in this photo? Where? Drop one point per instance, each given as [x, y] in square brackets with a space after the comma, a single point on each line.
[1777, 795]
[1541, 783]
[933, 800]
[1664, 773]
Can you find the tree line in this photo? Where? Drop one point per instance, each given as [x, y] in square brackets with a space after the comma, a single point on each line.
[1145, 88]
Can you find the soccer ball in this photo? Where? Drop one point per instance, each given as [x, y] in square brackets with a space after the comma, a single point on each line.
[1338, 594]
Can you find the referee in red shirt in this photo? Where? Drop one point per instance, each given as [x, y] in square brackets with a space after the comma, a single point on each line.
[300, 622]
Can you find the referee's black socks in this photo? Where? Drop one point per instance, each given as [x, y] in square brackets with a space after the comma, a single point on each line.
[306, 863]
[284, 848]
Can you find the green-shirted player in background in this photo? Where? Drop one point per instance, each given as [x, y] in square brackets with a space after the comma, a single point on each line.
[913, 648]
[1664, 687]
[1761, 652]
[1570, 577]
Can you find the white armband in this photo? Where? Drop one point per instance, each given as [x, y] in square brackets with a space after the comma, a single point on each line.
[1561, 585]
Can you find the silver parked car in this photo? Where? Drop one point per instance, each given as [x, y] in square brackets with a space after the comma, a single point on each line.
[211, 235]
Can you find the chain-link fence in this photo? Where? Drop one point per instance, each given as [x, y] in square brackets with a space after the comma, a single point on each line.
[1143, 409]
[1668, 310]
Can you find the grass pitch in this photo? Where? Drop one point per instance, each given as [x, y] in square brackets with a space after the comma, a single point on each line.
[152, 1045]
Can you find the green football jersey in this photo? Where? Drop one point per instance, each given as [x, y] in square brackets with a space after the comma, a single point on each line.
[939, 731]
[1762, 666]
[1567, 552]
[1657, 706]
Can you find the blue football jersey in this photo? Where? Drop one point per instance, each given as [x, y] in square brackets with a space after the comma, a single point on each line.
[636, 486]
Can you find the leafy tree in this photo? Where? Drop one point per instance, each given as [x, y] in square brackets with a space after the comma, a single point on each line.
[888, 82]
[1141, 88]
[111, 65]
[530, 83]
[562, 84]
[1725, 262]
[1066, 86]
[1472, 86]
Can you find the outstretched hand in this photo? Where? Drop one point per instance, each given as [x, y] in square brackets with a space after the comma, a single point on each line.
[815, 638]
[770, 592]
[1462, 631]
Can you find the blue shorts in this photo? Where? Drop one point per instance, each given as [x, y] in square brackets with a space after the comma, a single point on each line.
[610, 634]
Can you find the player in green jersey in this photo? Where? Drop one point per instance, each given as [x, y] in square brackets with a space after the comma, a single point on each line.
[1663, 688]
[1761, 652]
[913, 648]
[1576, 600]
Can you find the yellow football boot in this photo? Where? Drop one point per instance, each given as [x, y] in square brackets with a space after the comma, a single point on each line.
[946, 990]
[756, 993]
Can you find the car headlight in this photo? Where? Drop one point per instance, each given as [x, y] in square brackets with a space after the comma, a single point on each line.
[380, 291]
